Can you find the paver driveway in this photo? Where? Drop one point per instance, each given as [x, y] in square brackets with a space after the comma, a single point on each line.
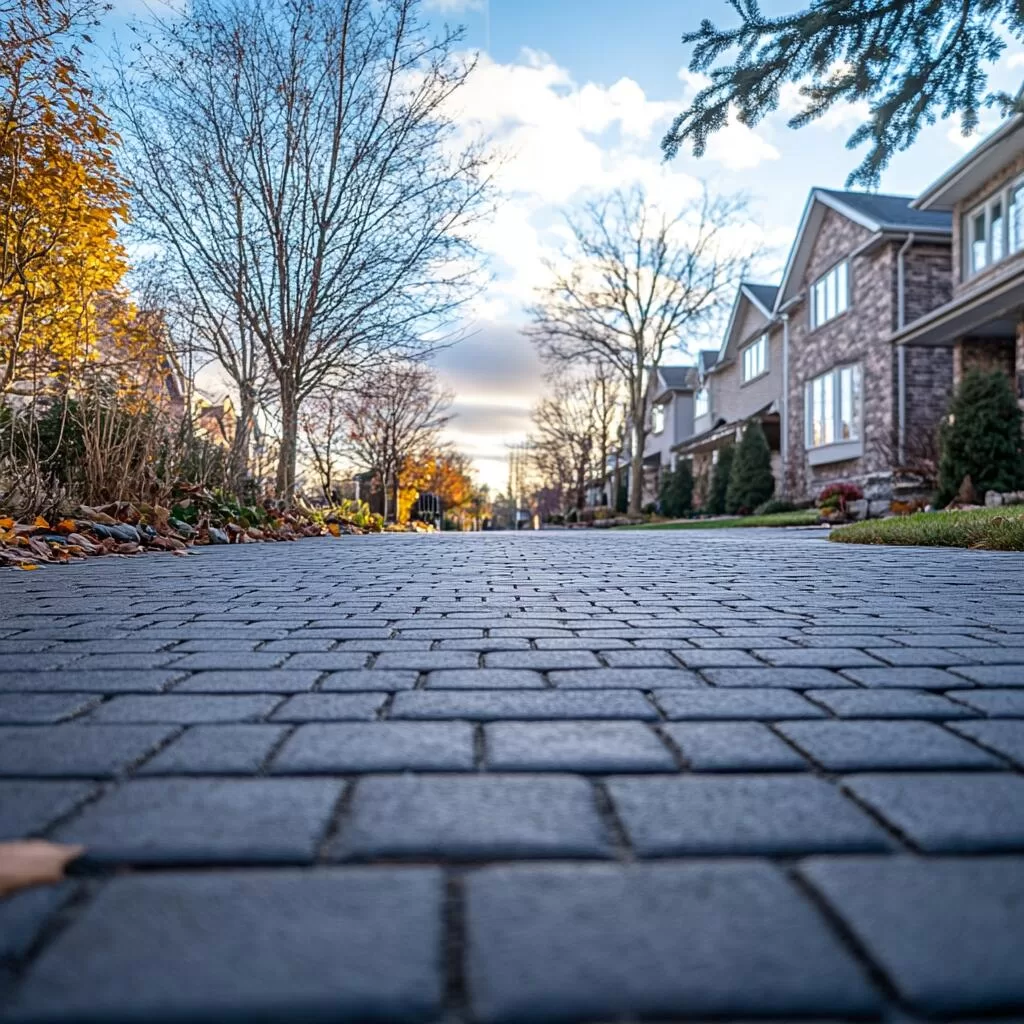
[570, 776]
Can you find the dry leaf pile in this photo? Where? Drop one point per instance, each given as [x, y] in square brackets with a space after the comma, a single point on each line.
[196, 517]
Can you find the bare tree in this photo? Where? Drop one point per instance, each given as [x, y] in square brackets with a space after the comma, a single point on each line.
[633, 283]
[395, 420]
[574, 426]
[324, 435]
[297, 159]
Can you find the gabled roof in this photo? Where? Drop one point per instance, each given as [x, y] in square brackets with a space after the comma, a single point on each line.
[678, 378]
[763, 295]
[966, 176]
[755, 295]
[706, 358]
[877, 213]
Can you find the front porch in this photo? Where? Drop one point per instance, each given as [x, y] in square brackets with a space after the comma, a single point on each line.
[985, 329]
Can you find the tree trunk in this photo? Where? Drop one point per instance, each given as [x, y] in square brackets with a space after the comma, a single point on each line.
[238, 458]
[285, 483]
[396, 492]
[636, 484]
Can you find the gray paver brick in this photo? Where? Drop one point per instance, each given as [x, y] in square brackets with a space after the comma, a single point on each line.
[216, 750]
[915, 678]
[23, 915]
[274, 680]
[623, 678]
[315, 707]
[184, 708]
[992, 675]
[947, 932]
[543, 661]
[994, 703]
[27, 808]
[575, 747]
[471, 817]
[377, 747]
[485, 679]
[733, 746]
[425, 661]
[697, 658]
[76, 750]
[202, 821]
[105, 681]
[742, 814]
[43, 708]
[739, 704]
[795, 678]
[1007, 738]
[948, 812]
[353, 944]
[816, 657]
[869, 745]
[603, 942]
[639, 659]
[329, 661]
[241, 661]
[371, 679]
[485, 705]
[889, 704]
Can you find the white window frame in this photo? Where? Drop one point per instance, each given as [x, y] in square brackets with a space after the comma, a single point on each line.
[701, 403]
[1007, 245]
[840, 394]
[657, 418]
[833, 285]
[754, 359]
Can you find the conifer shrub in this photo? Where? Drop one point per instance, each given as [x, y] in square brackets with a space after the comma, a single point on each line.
[720, 481]
[981, 437]
[676, 493]
[751, 482]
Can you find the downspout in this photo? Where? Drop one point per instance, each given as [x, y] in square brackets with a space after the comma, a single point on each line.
[901, 356]
[784, 431]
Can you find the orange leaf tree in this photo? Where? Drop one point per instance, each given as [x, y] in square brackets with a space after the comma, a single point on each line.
[61, 196]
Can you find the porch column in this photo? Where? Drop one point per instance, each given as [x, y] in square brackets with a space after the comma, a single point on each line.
[1019, 378]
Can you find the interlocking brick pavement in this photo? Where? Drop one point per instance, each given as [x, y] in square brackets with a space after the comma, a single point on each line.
[565, 776]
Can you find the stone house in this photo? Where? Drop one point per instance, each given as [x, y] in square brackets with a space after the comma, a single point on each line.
[981, 325]
[740, 382]
[861, 267]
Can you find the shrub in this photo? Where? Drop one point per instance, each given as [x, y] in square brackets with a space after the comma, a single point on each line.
[622, 499]
[982, 437]
[751, 482]
[837, 496]
[572, 515]
[774, 506]
[676, 493]
[720, 481]
[650, 508]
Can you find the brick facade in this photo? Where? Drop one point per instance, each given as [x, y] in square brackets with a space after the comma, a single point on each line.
[860, 336]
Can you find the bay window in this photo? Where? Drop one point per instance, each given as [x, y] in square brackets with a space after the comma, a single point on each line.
[995, 229]
[830, 295]
[657, 419]
[834, 407]
[755, 358]
[701, 403]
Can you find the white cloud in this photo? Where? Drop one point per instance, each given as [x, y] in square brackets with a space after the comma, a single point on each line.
[455, 6]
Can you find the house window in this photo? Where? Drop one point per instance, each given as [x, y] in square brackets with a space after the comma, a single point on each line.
[657, 419]
[834, 407]
[830, 295]
[996, 229]
[755, 358]
[701, 403]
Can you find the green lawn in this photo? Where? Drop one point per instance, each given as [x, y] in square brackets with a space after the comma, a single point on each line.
[996, 529]
[803, 517]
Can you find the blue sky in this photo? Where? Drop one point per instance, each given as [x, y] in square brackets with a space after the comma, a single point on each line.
[576, 95]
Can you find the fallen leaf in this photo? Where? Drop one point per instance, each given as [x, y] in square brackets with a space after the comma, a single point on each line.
[66, 526]
[334, 529]
[28, 565]
[33, 862]
[6, 523]
[41, 523]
